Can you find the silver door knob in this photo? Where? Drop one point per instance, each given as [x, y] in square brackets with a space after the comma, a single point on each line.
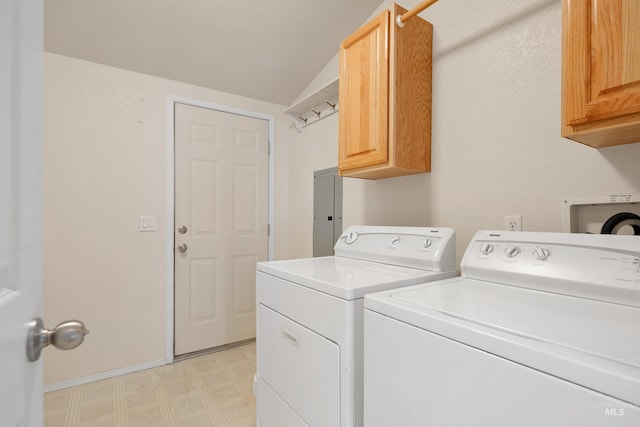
[182, 248]
[66, 336]
[182, 229]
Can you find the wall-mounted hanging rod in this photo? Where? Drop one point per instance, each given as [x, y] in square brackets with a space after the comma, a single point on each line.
[401, 19]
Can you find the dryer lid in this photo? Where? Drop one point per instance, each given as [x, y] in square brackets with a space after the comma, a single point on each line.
[348, 278]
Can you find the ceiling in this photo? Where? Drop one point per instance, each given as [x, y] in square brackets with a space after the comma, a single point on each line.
[268, 50]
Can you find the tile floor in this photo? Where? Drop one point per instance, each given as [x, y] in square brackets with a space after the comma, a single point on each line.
[212, 390]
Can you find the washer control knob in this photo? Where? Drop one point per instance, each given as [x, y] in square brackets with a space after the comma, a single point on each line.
[486, 249]
[542, 253]
[395, 241]
[426, 242]
[351, 237]
[512, 251]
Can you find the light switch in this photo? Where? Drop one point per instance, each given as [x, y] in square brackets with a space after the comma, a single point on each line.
[148, 223]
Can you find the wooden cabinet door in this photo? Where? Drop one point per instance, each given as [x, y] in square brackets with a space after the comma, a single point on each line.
[601, 67]
[364, 96]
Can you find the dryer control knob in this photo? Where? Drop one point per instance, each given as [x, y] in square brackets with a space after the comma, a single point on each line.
[512, 251]
[426, 242]
[542, 253]
[486, 249]
[351, 237]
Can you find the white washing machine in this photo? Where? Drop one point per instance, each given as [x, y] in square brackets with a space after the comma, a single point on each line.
[542, 329]
[310, 320]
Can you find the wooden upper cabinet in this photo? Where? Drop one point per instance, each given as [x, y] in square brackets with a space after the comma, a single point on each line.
[363, 96]
[601, 71]
[385, 98]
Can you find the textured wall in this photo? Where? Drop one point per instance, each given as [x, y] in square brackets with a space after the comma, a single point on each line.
[496, 145]
[105, 165]
[313, 149]
[365, 201]
[496, 151]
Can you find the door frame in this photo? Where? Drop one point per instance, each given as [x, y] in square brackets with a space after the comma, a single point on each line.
[170, 197]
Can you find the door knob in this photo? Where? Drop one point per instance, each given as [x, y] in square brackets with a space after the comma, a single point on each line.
[182, 229]
[182, 248]
[66, 336]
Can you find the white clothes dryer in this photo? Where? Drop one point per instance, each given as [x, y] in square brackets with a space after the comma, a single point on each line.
[541, 329]
[310, 320]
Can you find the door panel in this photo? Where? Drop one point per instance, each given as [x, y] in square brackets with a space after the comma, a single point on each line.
[203, 298]
[244, 290]
[20, 207]
[244, 199]
[204, 177]
[221, 184]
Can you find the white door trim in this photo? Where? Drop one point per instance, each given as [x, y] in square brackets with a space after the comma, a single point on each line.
[170, 223]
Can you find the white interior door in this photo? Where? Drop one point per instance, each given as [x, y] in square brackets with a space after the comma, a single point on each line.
[20, 208]
[221, 200]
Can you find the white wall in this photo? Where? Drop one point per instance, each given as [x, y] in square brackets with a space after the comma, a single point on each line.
[313, 149]
[105, 165]
[496, 150]
[496, 147]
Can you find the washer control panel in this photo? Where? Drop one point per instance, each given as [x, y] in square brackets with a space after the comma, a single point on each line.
[604, 267]
[511, 251]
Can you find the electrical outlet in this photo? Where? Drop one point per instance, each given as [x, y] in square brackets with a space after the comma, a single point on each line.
[513, 222]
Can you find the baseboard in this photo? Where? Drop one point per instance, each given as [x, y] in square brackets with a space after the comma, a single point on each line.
[103, 375]
[213, 350]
